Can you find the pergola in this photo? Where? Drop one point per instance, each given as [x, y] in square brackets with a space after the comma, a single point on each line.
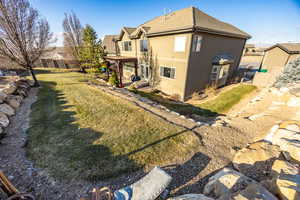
[119, 61]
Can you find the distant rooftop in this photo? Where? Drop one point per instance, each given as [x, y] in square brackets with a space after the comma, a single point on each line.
[291, 48]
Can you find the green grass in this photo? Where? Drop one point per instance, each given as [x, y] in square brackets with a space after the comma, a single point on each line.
[219, 105]
[78, 131]
[226, 100]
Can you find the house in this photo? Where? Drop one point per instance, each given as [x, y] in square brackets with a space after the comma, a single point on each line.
[110, 44]
[249, 48]
[57, 58]
[189, 50]
[275, 59]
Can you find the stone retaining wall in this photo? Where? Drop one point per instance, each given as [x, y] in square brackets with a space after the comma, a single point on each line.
[13, 90]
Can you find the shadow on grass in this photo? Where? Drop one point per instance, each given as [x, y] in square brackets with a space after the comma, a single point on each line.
[56, 142]
[181, 108]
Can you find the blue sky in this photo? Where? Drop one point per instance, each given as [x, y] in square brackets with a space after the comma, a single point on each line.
[268, 21]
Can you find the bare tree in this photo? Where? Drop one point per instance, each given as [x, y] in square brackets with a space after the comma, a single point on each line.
[24, 35]
[73, 36]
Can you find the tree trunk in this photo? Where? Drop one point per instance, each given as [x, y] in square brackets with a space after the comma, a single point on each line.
[36, 83]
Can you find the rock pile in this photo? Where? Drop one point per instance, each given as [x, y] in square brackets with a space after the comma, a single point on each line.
[13, 90]
[289, 75]
[268, 169]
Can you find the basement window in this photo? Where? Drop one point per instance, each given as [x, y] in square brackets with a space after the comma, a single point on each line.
[167, 72]
[179, 44]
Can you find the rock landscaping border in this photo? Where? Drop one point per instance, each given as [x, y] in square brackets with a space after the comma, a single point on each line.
[13, 90]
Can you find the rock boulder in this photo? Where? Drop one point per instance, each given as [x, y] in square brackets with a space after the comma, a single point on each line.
[2, 96]
[191, 197]
[252, 192]
[226, 181]
[285, 174]
[6, 109]
[14, 100]
[256, 160]
[4, 121]
[287, 137]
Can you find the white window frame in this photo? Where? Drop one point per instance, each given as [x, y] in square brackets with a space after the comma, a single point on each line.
[164, 66]
[197, 43]
[179, 43]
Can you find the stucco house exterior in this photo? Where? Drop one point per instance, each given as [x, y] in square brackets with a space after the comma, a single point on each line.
[189, 48]
[275, 59]
[109, 44]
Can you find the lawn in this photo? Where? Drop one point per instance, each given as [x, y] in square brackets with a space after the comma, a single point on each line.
[218, 105]
[78, 131]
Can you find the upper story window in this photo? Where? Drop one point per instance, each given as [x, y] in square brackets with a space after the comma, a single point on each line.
[167, 72]
[126, 46]
[179, 44]
[143, 45]
[197, 40]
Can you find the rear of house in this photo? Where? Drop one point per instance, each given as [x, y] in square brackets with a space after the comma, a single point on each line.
[274, 61]
[188, 50]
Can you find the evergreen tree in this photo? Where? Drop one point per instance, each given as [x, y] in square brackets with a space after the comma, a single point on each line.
[91, 53]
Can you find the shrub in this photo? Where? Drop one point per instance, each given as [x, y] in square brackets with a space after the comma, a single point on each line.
[113, 79]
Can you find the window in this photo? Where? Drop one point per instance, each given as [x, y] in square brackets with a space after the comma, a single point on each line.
[126, 46]
[143, 45]
[167, 72]
[179, 45]
[197, 40]
[224, 71]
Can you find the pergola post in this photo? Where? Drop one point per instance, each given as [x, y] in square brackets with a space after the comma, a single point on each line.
[120, 67]
[135, 68]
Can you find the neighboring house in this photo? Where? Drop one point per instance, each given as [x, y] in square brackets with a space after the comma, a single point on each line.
[249, 48]
[109, 43]
[57, 58]
[275, 59]
[189, 48]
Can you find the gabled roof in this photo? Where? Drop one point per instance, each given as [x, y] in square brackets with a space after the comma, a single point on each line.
[290, 48]
[109, 43]
[186, 20]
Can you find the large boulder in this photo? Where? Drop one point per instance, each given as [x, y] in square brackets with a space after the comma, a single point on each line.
[9, 89]
[4, 121]
[22, 92]
[256, 160]
[14, 100]
[6, 109]
[226, 181]
[191, 197]
[285, 174]
[2, 96]
[252, 192]
[287, 137]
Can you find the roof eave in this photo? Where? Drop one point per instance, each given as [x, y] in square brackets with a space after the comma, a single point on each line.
[282, 48]
[168, 32]
[200, 29]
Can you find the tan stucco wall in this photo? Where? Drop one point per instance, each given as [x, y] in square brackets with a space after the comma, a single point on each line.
[275, 58]
[200, 63]
[164, 55]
